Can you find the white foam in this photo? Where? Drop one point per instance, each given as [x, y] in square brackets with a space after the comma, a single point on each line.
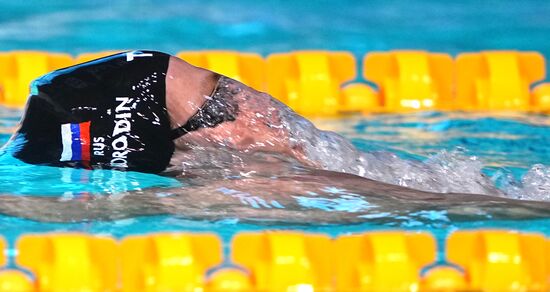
[445, 172]
[448, 171]
[534, 185]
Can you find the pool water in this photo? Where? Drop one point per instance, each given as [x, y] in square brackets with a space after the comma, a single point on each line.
[509, 148]
[229, 200]
[275, 25]
[509, 151]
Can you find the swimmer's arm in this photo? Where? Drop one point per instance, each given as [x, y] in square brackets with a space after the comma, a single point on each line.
[258, 125]
[262, 122]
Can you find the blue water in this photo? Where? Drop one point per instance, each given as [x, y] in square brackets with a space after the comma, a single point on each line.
[506, 146]
[503, 144]
[275, 25]
[512, 142]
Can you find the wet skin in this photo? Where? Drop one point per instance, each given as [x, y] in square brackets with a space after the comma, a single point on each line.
[234, 199]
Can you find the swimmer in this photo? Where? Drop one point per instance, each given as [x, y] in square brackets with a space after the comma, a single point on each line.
[147, 111]
[134, 110]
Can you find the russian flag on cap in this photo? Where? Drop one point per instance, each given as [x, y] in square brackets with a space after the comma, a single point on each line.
[76, 142]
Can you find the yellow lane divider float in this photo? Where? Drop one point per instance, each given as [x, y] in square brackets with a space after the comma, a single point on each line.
[248, 68]
[69, 262]
[12, 280]
[410, 80]
[281, 261]
[482, 260]
[501, 261]
[382, 261]
[168, 262]
[18, 69]
[317, 82]
[499, 80]
[310, 82]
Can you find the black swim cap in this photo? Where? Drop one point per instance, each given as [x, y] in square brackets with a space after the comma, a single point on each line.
[107, 113]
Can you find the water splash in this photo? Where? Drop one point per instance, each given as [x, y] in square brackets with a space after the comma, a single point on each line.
[533, 185]
[445, 172]
[265, 125]
[536, 183]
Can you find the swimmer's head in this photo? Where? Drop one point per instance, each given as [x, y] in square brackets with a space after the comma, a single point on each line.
[98, 115]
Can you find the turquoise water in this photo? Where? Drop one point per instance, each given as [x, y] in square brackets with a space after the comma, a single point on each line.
[275, 25]
[504, 148]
